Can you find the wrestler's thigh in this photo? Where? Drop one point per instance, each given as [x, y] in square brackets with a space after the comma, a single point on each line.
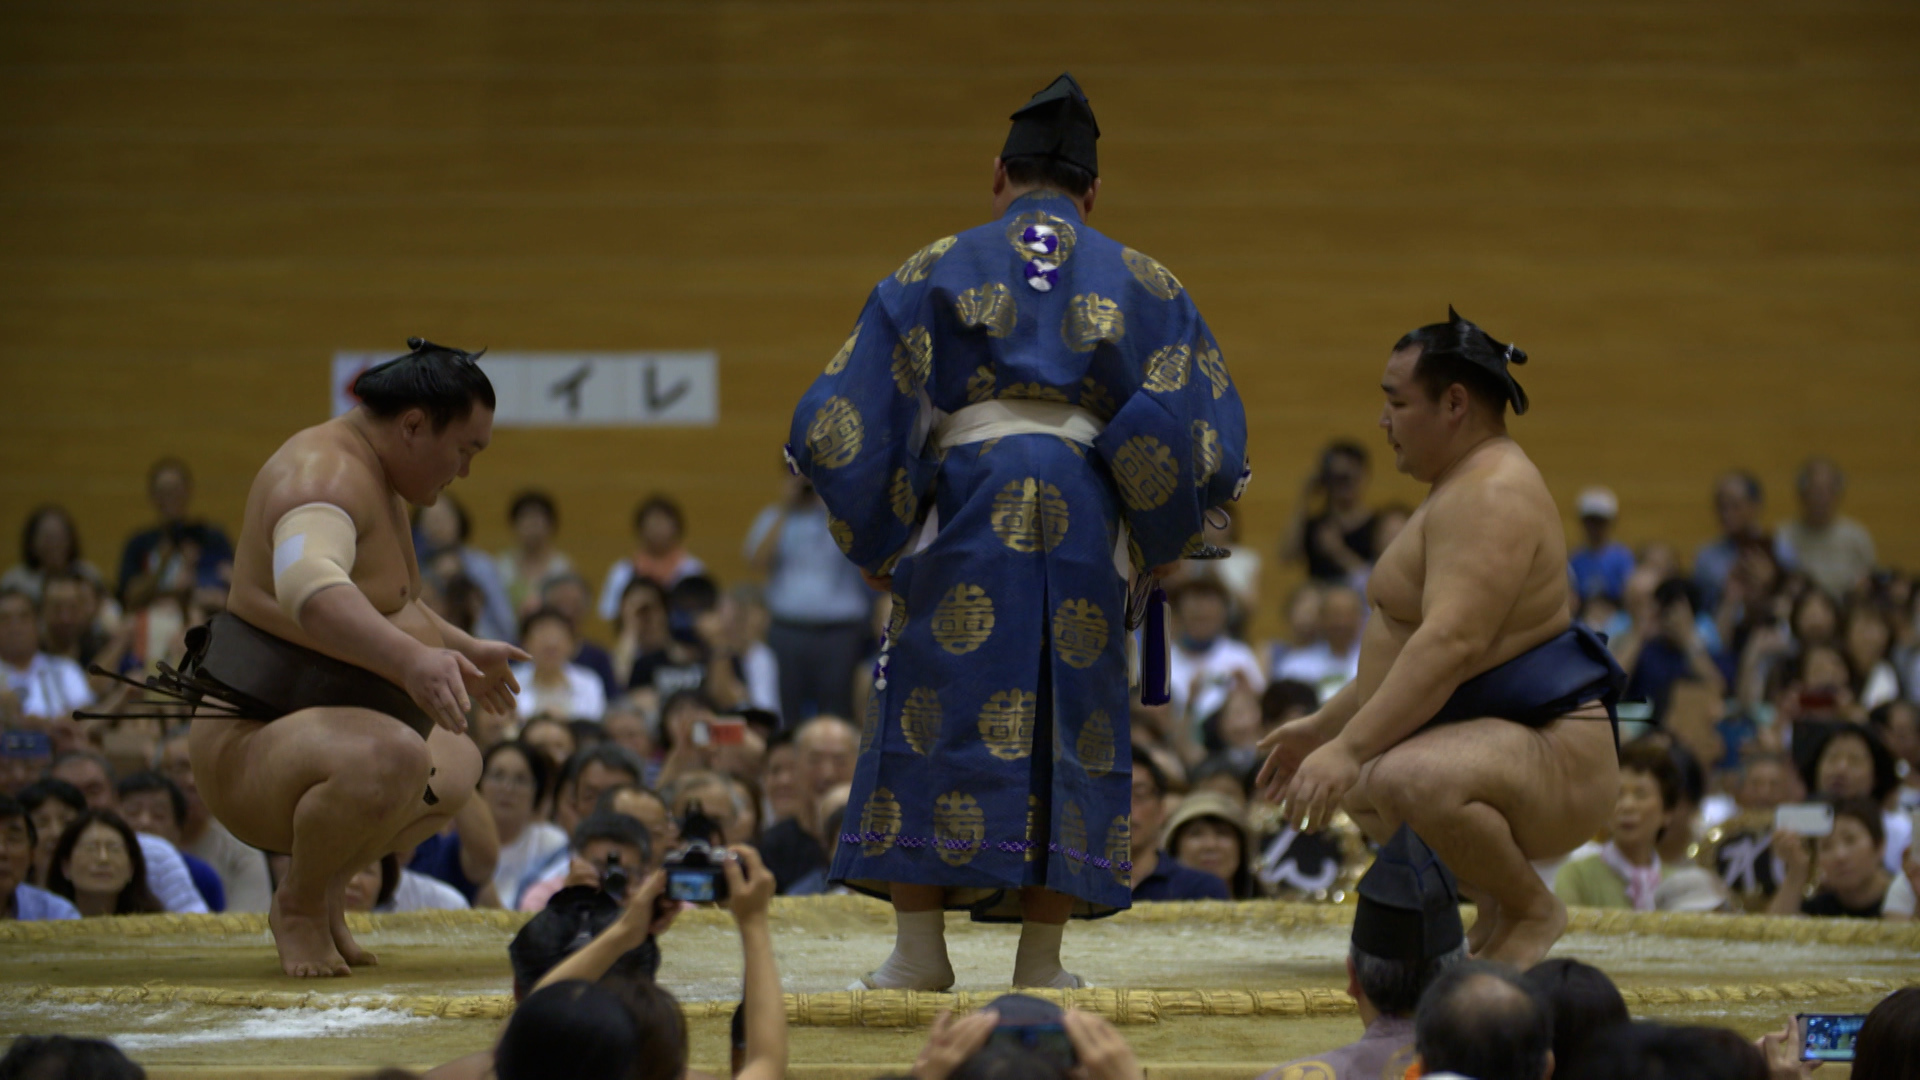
[252, 775]
[1554, 785]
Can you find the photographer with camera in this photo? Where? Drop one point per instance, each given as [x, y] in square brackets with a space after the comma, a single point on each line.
[1025, 1036]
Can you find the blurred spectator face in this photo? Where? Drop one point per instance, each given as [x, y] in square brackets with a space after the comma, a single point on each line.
[66, 608]
[1825, 670]
[1736, 508]
[1240, 717]
[785, 780]
[176, 764]
[363, 888]
[19, 770]
[568, 596]
[1815, 619]
[1848, 855]
[658, 533]
[645, 611]
[532, 528]
[1638, 814]
[829, 749]
[16, 857]
[1903, 732]
[552, 739]
[629, 729]
[648, 810]
[1345, 478]
[509, 789]
[1869, 639]
[1341, 613]
[1820, 484]
[1845, 769]
[594, 781]
[100, 864]
[1303, 615]
[49, 820]
[1149, 811]
[1765, 785]
[1210, 846]
[151, 812]
[440, 525]
[1203, 616]
[170, 493]
[92, 780]
[19, 630]
[551, 644]
[53, 540]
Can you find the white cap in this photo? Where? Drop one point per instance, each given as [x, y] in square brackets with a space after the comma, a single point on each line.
[1599, 502]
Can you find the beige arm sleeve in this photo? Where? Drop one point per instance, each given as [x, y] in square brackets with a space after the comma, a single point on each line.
[313, 549]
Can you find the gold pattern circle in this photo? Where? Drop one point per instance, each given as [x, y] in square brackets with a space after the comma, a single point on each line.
[980, 385]
[842, 534]
[1079, 633]
[987, 307]
[1092, 319]
[920, 263]
[839, 362]
[1062, 228]
[1211, 365]
[920, 720]
[1167, 368]
[960, 825]
[1095, 747]
[1073, 837]
[1153, 277]
[1119, 849]
[963, 620]
[1206, 452]
[1006, 724]
[1095, 399]
[1029, 515]
[900, 493]
[1146, 472]
[882, 816]
[836, 433]
[912, 360]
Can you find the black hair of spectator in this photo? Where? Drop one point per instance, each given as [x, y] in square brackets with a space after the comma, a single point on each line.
[31, 559]
[1651, 1051]
[1457, 351]
[1478, 1019]
[1865, 811]
[1888, 1047]
[1886, 768]
[536, 763]
[1144, 760]
[563, 579]
[36, 794]
[616, 828]
[662, 1026]
[1234, 764]
[149, 780]
[1284, 695]
[660, 504]
[1585, 1005]
[57, 1057]
[443, 382]
[586, 733]
[1042, 170]
[1649, 756]
[137, 897]
[543, 614]
[1881, 718]
[20, 591]
[10, 810]
[1693, 778]
[1675, 589]
[1749, 482]
[644, 584]
[169, 463]
[571, 1030]
[695, 594]
[1395, 986]
[464, 601]
[1347, 448]
[673, 704]
[533, 499]
[607, 755]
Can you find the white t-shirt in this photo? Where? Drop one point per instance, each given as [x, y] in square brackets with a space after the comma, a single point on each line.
[168, 877]
[584, 698]
[418, 892]
[49, 687]
[533, 847]
[1214, 668]
[1899, 899]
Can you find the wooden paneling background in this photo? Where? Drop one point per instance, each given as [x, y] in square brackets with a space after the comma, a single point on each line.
[1702, 219]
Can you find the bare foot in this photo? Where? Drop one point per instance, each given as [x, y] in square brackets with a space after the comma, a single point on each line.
[1523, 941]
[343, 938]
[305, 944]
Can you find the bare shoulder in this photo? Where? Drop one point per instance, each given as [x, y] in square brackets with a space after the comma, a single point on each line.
[1500, 488]
[325, 463]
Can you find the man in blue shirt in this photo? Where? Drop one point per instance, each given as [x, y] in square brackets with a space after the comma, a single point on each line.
[19, 900]
[1156, 875]
[178, 555]
[1602, 567]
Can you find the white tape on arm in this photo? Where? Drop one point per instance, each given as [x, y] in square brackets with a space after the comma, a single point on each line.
[313, 549]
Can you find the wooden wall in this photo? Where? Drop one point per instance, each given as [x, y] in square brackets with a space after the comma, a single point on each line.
[1700, 218]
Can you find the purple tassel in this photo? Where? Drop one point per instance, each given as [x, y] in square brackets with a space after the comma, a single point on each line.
[1154, 657]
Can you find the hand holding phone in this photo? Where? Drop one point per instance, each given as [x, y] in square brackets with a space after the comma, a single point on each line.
[1811, 820]
[1829, 1036]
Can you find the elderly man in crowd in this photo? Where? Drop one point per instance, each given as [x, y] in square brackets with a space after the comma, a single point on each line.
[1835, 550]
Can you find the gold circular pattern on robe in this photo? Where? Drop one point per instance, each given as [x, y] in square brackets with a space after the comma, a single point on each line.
[920, 720]
[1119, 850]
[881, 815]
[913, 360]
[897, 618]
[1146, 472]
[870, 720]
[842, 534]
[1033, 391]
[920, 263]
[836, 433]
[1079, 633]
[1092, 319]
[1073, 837]
[1006, 724]
[839, 362]
[980, 385]
[960, 825]
[1152, 277]
[1206, 452]
[963, 620]
[1029, 515]
[987, 307]
[1209, 361]
[1311, 1070]
[1062, 228]
[900, 493]
[1167, 368]
[1095, 747]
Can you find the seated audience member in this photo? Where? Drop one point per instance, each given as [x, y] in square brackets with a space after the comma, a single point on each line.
[1737, 502]
[659, 553]
[178, 556]
[1208, 832]
[1848, 761]
[1228, 774]
[1650, 1051]
[1866, 640]
[1205, 659]
[464, 855]
[1333, 658]
[1302, 615]
[243, 870]
[793, 844]
[56, 1057]
[1888, 1047]
[1406, 933]
[166, 872]
[587, 775]
[1668, 643]
[49, 545]
[1740, 850]
[1284, 700]
[515, 780]
[70, 622]
[1585, 1004]
[1479, 1019]
[641, 633]
[440, 533]
[551, 684]
[155, 806]
[601, 842]
[626, 724]
[42, 687]
[24, 755]
[19, 899]
[51, 805]
[552, 738]
[570, 595]
[1628, 871]
[1601, 565]
[99, 867]
[1853, 881]
[1834, 550]
[384, 887]
[1156, 874]
[1236, 726]
[533, 560]
[1333, 530]
[714, 797]
[1898, 723]
[1900, 905]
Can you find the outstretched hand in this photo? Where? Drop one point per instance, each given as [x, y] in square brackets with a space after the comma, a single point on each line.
[436, 680]
[495, 686]
[1284, 748]
[1318, 787]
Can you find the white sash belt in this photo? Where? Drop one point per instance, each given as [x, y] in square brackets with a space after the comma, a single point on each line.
[998, 419]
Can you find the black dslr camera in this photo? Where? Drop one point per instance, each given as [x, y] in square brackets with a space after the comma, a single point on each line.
[695, 869]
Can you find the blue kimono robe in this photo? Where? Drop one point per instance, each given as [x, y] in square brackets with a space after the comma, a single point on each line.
[996, 755]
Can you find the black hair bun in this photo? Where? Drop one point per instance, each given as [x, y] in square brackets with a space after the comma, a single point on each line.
[416, 344]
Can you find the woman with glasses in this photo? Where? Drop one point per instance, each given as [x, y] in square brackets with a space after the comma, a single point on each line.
[515, 781]
[98, 866]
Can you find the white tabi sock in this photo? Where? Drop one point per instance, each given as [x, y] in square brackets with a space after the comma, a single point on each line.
[1037, 963]
[919, 960]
